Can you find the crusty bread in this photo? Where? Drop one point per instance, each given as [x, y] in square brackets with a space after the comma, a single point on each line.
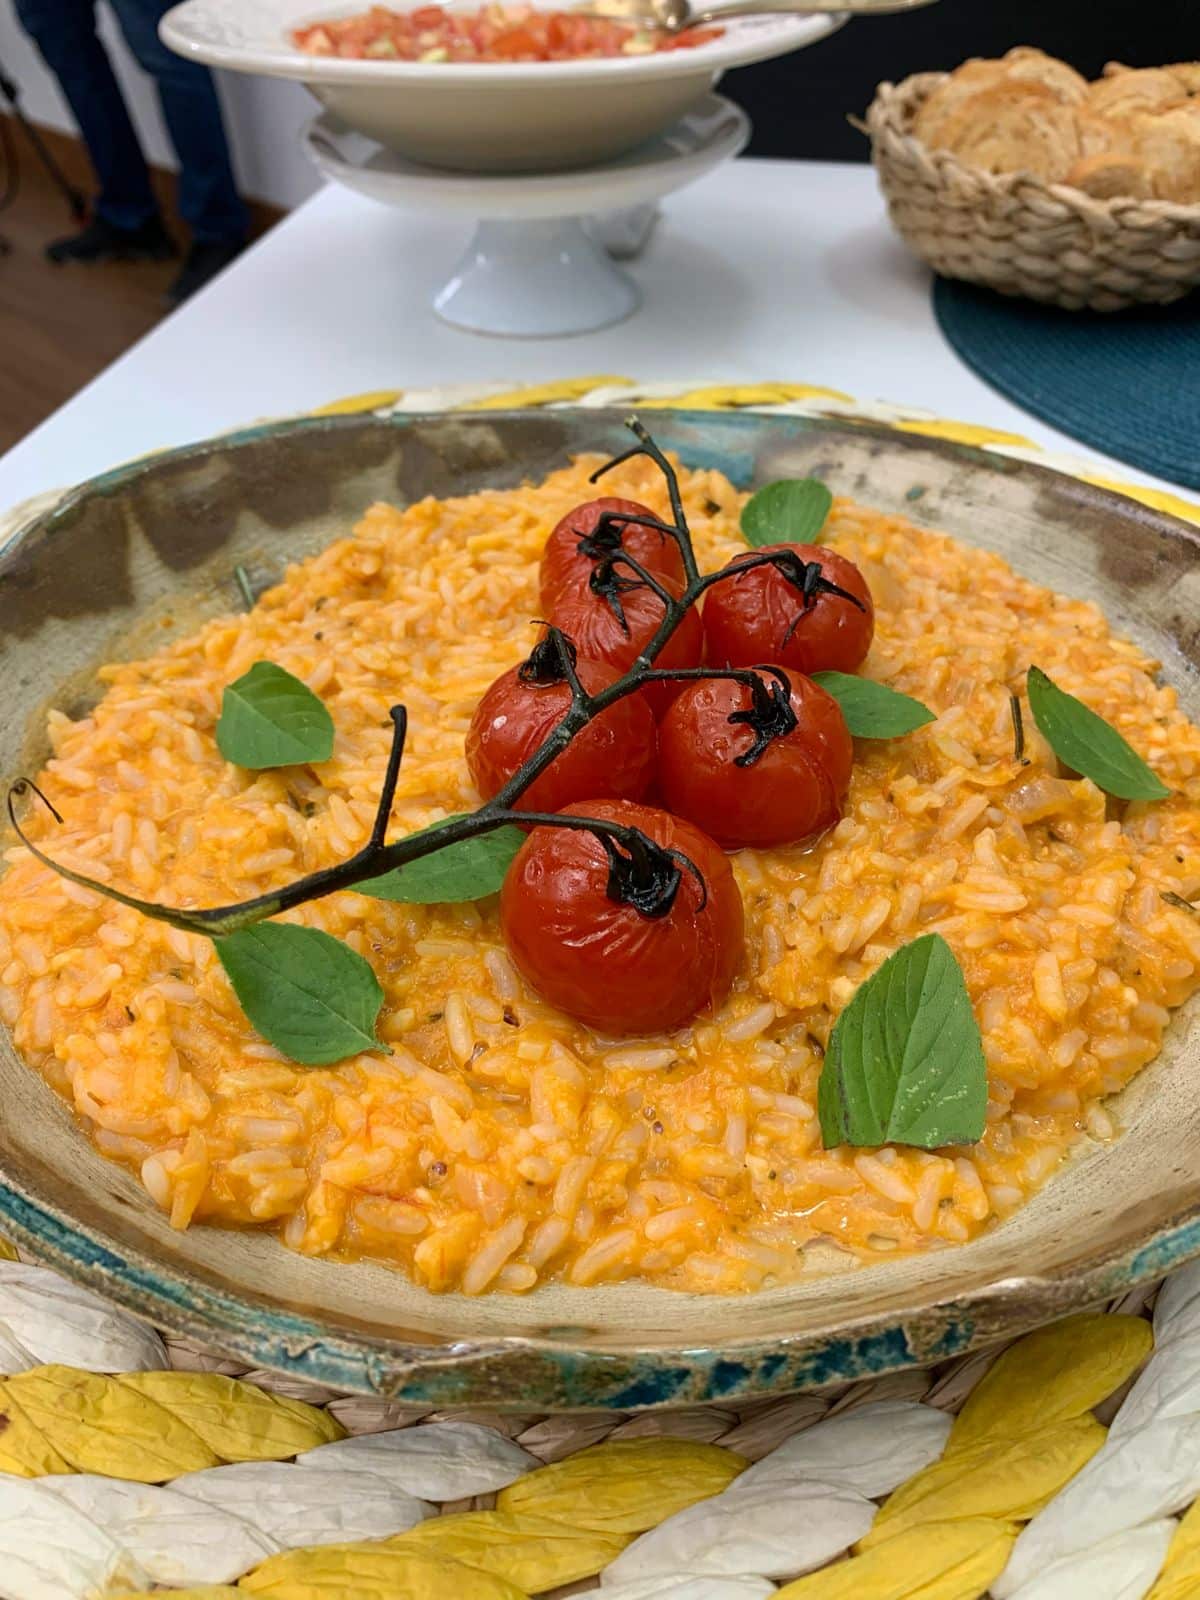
[1026, 65]
[1169, 147]
[1152, 89]
[1022, 66]
[1188, 73]
[1134, 132]
[1014, 128]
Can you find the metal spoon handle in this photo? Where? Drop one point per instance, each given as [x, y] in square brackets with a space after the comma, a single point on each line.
[754, 8]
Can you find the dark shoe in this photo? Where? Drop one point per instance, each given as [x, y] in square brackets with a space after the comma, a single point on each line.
[204, 260]
[100, 241]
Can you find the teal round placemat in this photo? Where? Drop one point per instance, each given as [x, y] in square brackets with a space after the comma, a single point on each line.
[1126, 383]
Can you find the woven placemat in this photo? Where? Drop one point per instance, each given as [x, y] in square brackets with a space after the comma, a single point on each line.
[1051, 1469]
[1048, 1469]
[1126, 383]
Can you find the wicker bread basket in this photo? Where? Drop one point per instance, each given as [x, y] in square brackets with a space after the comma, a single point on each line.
[1020, 235]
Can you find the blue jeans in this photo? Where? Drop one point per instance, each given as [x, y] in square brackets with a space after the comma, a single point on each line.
[65, 33]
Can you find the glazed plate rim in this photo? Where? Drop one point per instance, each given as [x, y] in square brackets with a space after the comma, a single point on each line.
[449, 1371]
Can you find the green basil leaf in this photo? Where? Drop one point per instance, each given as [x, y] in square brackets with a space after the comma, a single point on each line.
[789, 511]
[270, 719]
[306, 992]
[905, 1062]
[467, 870]
[872, 710]
[1087, 744]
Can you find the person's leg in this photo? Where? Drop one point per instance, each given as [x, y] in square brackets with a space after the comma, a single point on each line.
[65, 33]
[208, 197]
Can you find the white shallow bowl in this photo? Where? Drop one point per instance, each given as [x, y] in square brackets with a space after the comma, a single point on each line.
[520, 117]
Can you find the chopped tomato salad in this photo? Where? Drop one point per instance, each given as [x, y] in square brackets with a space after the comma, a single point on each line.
[493, 33]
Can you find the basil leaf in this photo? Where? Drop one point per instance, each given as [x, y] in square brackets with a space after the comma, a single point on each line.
[1087, 744]
[789, 511]
[905, 1062]
[306, 992]
[270, 719]
[872, 710]
[467, 870]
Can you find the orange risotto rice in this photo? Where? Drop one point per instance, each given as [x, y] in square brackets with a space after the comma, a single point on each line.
[501, 1143]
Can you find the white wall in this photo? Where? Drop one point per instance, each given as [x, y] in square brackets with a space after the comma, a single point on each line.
[264, 115]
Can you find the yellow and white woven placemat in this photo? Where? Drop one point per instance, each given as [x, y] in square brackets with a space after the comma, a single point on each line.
[1055, 1469]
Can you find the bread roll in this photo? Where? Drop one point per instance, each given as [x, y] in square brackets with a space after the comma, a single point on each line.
[1133, 133]
[1023, 64]
[1169, 146]
[1148, 89]
[1013, 128]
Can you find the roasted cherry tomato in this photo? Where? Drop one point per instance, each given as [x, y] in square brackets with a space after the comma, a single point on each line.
[627, 941]
[578, 545]
[612, 755]
[812, 612]
[612, 618]
[758, 766]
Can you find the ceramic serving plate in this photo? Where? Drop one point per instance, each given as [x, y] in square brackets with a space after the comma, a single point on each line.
[152, 547]
[539, 116]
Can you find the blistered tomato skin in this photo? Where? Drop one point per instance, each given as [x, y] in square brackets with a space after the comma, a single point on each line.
[575, 547]
[760, 615]
[613, 755]
[796, 788]
[590, 620]
[603, 961]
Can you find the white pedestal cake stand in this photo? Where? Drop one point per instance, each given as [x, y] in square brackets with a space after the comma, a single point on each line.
[537, 265]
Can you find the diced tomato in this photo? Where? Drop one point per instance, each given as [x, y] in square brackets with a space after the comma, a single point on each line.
[493, 33]
[516, 43]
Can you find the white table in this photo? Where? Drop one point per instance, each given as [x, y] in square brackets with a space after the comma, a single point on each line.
[763, 270]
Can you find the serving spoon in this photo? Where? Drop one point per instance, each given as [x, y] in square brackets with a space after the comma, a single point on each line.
[673, 16]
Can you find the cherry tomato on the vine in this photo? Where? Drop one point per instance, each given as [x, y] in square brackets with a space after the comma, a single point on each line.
[773, 775]
[615, 624]
[788, 613]
[574, 930]
[612, 755]
[578, 544]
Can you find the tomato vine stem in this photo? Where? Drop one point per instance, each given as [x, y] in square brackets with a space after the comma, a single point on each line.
[638, 876]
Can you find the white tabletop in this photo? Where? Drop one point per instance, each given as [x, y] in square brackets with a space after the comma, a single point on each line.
[762, 270]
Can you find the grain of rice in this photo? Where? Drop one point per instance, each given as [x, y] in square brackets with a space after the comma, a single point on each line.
[748, 1027]
[883, 1180]
[639, 1060]
[503, 975]
[668, 1223]
[459, 1034]
[491, 1256]
[1048, 986]
[604, 1257]
[548, 1239]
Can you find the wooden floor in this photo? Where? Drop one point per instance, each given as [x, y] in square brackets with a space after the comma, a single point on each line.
[60, 326]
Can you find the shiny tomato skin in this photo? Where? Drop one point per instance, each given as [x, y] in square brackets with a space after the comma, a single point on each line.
[588, 619]
[602, 961]
[614, 755]
[566, 568]
[795, 789]
[746, 618]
